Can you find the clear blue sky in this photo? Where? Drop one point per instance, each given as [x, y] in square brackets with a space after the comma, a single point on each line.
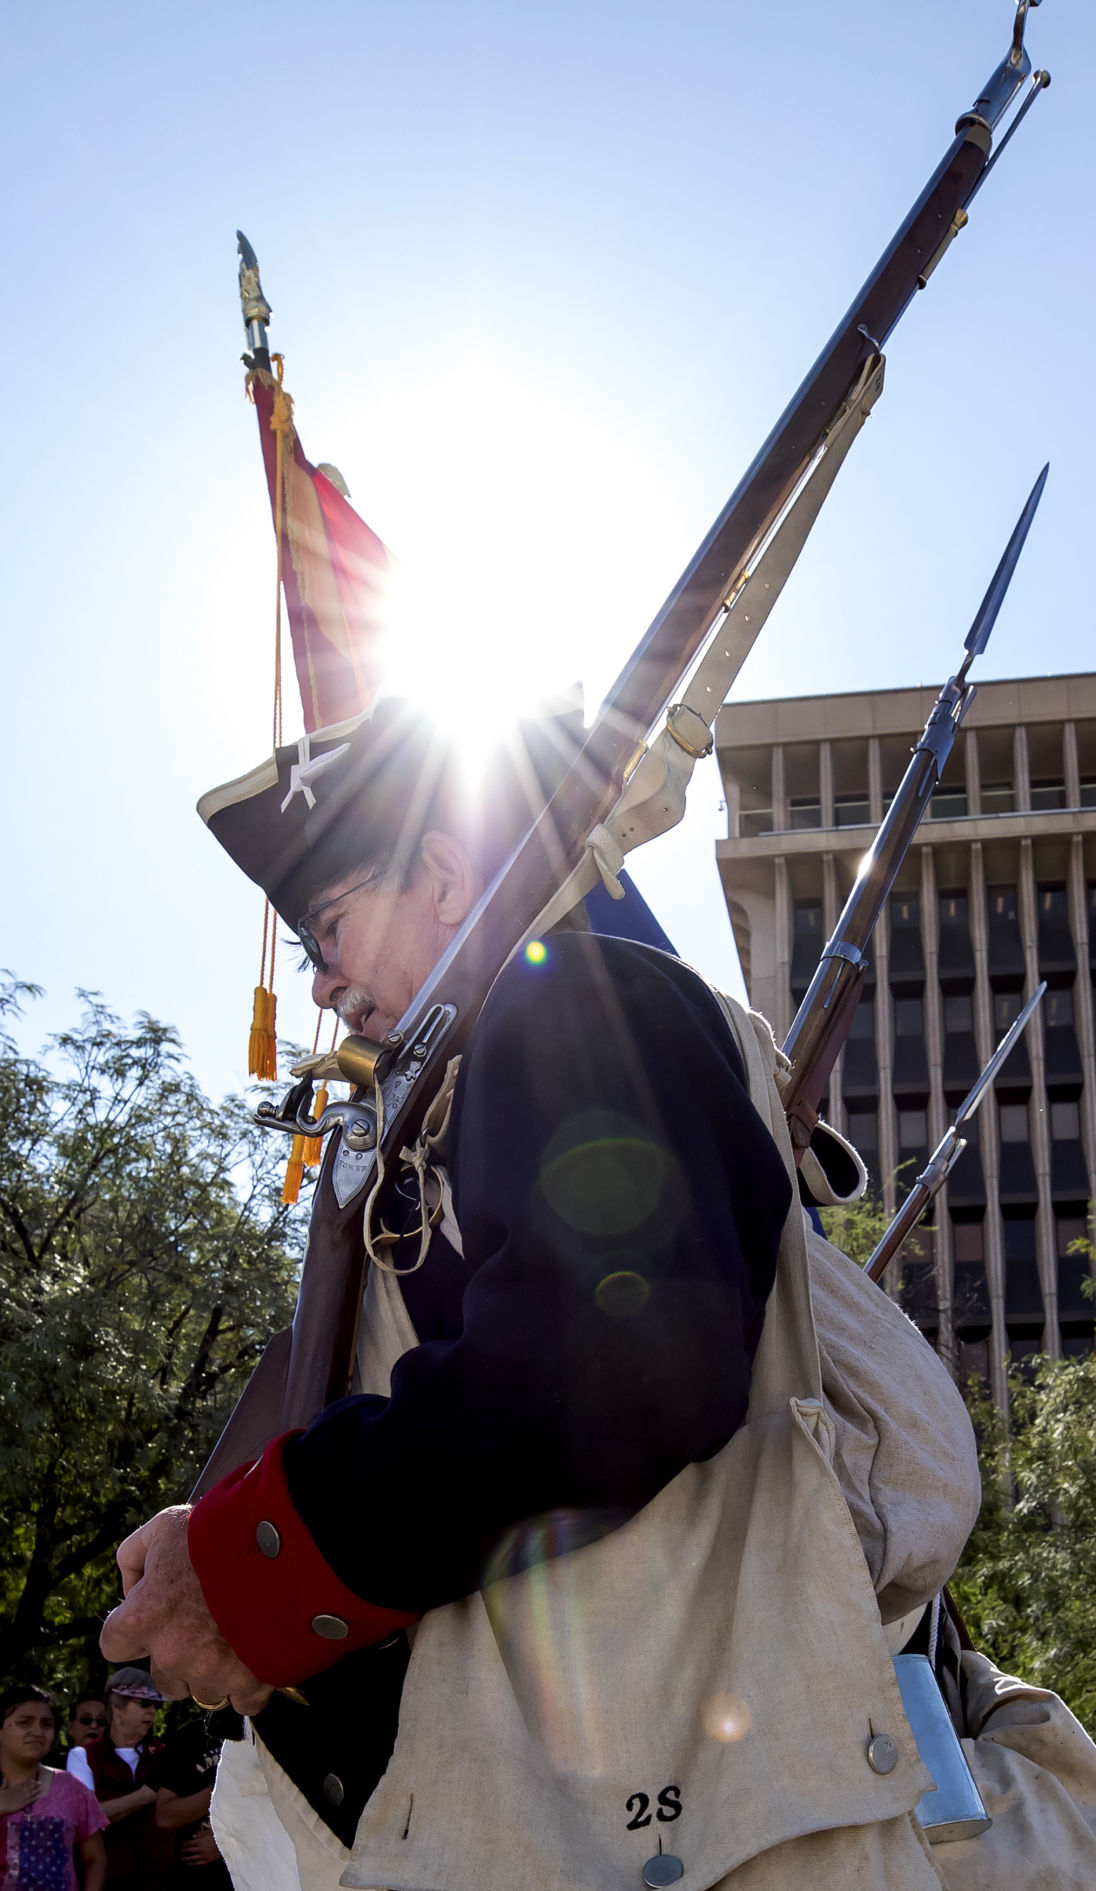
[543, 277]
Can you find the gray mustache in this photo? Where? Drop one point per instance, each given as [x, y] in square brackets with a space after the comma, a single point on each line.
[356, 998]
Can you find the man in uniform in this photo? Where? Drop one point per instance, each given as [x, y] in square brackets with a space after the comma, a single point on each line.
[566, 1594]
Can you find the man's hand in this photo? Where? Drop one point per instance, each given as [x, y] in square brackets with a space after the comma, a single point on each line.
[164, 1617]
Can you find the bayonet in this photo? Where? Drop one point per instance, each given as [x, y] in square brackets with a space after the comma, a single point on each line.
[986, 615]
[821, 1024]
[948, 1150]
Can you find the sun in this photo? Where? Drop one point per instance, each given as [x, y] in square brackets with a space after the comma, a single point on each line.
[520, 542]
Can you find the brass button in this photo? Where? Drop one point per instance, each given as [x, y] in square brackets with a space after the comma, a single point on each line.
[664, 1868]
[268, 1538]
[333, 1790]
[331, 1627]
[882, 1753]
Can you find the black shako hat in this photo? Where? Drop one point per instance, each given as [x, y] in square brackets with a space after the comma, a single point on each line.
[362, 793]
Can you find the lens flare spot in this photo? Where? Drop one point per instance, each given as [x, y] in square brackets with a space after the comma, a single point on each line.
[622, 1294]
[604, 1175]
[726, 1718]
[536, 952]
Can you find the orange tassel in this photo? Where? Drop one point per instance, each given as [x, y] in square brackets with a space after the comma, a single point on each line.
[313, 1145]
[294, 1174]
[262, 1048]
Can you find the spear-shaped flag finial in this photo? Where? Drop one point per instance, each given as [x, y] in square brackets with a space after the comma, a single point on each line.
[256, 308]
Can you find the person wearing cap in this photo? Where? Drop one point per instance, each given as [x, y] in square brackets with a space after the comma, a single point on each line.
[117, 1768]
[569, 1591]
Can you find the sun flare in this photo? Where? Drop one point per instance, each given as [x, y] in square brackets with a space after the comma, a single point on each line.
[523, 532]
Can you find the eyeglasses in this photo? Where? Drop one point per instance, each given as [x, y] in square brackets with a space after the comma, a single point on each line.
[91, 1720]
[305, 933]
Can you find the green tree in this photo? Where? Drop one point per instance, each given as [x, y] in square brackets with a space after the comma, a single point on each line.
[1027, 1581]
[145, 1260]
[858, 1227]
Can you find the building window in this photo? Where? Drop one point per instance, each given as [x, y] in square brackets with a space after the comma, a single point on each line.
[958, 1013]
[909, 1017]
[1058, 1008]
[1048, 793]
[851, 810]
[997, 797]
[970, 1294]
[863, 1020]
[1023, 1293]
[953, 909]
[863, 1130]
[804, 811]
[948, 804]
[968, 1240]
[1013, 1118]
[912, 1129]
[1020, 1238]
[1068, 1229]
[1007, 1006]
[1065, 1122]
[1052, 902]
[1072, 1238]
[906, 912]
[1088, 791]
[1077, 1345]
[1002, 903]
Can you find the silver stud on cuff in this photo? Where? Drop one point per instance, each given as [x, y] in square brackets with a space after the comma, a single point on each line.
[882, 1753]
[331, 1627]
[268, 1538]
[332, 1790]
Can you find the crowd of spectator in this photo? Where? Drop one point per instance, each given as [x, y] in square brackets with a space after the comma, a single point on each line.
[118, 1808]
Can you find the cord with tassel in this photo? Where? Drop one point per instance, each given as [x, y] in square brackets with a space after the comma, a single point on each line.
[262, 1045]
[305, 1151]
[294, 1173]
[313, 1145]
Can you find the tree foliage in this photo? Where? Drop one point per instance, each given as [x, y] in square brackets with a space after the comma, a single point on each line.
[1027, 1581]
[145, 1260]
[858, 1227]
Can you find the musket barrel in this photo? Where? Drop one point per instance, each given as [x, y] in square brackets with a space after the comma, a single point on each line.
[697, 598]
[843, 956]
[900, 1228]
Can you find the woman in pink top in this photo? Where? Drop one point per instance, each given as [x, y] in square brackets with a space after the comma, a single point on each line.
[45, 1815]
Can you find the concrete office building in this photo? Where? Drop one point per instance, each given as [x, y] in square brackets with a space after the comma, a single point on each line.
[998, 891]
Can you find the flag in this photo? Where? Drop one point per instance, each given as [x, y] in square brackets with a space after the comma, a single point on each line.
[334, 570]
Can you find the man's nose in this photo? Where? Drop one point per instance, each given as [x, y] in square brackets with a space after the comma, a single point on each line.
[325, 986]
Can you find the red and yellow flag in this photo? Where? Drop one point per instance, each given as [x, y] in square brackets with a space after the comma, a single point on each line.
[333, 570]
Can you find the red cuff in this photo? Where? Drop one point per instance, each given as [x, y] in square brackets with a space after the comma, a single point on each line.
[276, 1601]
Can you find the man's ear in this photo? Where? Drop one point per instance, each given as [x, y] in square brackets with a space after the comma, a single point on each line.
[455, 880]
